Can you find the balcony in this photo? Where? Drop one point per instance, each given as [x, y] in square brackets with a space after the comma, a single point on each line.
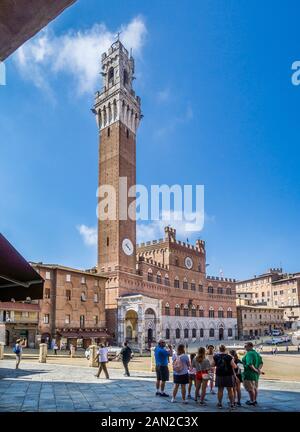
[21, 321]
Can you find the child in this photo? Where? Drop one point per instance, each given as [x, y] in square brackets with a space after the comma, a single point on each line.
[192, 376]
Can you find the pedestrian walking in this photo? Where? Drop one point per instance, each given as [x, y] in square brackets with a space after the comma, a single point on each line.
[55, 348]
[192, 376]
[225, 366]
[102, 358]
[253, 364]
[126, 355]
[237, 378]
[210, 357]
[162, 355]
[202, 366]
[18, 349]
[181, 365]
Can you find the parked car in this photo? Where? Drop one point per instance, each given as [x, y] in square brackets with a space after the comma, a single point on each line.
[113, 352]
[274, 341]
[276, 332]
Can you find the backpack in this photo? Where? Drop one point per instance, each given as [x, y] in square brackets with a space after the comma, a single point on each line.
[16, 349]
[178, 365]
[222, 365]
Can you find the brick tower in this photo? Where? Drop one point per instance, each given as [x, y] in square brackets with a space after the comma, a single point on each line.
[118, 114]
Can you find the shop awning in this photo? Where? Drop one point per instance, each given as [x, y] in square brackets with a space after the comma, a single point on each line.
[84, 334]
[18, 280]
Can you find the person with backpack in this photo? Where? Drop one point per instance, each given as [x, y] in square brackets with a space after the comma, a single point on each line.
[202, 366]
[238, 379]
[17, 349]
[181, 365]
[225, 366]
[126, 355]
[253, 364]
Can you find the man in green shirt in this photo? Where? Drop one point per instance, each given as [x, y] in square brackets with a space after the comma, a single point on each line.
[253, 363]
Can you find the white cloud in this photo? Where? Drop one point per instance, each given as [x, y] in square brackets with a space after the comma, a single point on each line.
[89, 234]
[76, 53]
[185, 225]
[163, 95]
[174, 122]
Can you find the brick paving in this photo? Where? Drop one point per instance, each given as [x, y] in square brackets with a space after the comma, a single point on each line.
[52, 387]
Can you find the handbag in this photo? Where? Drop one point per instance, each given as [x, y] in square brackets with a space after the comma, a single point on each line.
[202, 375]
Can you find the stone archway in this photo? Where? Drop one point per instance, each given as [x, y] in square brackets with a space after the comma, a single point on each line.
[150, 326]
[131, 325]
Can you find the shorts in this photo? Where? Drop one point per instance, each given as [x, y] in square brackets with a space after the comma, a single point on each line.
[162, 373]
[225, 381]
[192, 377]
[181, 379]
[250, 385]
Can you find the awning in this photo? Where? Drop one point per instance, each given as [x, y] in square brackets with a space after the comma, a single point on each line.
[84, 335]
[18, 280]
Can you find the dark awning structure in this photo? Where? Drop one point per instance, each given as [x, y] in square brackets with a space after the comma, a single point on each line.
[22, 19]
[18, 280]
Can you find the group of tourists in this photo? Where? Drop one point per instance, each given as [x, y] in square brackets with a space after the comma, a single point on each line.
[208, 369]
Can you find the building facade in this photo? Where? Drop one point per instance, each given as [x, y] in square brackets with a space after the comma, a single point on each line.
[159, 288]
[73, 308]
[255, 321]
[286, 293]
[275, 289]
[20, 320]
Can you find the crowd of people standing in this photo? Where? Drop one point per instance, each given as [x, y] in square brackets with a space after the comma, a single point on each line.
[207, 369]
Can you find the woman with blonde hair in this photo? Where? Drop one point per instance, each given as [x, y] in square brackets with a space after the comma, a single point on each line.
[202, 366]
[181, 365]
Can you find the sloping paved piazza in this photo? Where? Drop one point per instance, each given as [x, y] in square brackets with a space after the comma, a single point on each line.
[54, 387]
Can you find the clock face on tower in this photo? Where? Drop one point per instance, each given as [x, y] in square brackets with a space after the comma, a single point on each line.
[127, 246]
[188, 263]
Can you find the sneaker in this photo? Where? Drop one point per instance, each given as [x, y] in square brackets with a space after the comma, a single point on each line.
[238, 404]
[189, 397]
[164, 394]
[255, 402]
[232, 407]
[202, 403]
[157, 393]
[250, 403]
[219, 405]
[173, 400]
[185, 401]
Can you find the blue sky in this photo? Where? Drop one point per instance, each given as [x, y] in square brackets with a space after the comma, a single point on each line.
[219, 109]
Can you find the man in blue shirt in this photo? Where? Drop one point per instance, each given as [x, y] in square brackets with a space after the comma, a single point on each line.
[162, 354]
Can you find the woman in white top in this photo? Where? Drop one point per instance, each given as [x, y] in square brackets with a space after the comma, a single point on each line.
[181, 365]
[102, 360]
